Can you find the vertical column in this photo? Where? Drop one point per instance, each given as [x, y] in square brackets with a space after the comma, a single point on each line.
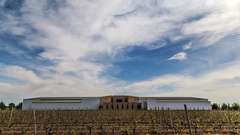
[109, 106]
[120, 106]
[135, 106]
[104, 106]
[129, 106]
[125, 106]
[114, 106]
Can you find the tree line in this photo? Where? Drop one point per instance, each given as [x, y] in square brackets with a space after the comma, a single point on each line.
[11, 105]
[224, 106]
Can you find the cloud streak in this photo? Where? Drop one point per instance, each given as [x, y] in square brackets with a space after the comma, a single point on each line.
[81, 39]
[179, 56]
[187, 46]
[219, 85]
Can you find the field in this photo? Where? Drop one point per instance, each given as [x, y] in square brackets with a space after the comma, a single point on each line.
[118, 122]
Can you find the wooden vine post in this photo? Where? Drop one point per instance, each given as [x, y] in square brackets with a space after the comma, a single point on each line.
[45, 113]
[58, 119]
[29, 115]
[170, 118]
[78, 111]
[10, 117]
[188, 120]
[209, 113]
[156, 114]
[159, 117]
[165, 121]
[195, 114]
[229, 117]
[218, 113]
[34, 117]
[198, 113]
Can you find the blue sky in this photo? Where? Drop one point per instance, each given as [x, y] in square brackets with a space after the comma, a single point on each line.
[141, 48]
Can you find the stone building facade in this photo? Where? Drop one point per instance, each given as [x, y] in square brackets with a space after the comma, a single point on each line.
[119, 103]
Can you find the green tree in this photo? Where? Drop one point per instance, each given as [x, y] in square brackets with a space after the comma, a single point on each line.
[235, 106]
[19, 106]
[10, 105]
[224, 106]
[215, 106]
[3, 106]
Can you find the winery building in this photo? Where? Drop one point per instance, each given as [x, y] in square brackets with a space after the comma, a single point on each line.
[115, 102]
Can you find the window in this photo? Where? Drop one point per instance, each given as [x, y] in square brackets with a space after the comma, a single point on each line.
[119, 100]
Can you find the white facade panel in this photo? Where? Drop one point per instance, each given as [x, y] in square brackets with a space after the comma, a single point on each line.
[86, 103]
[27, 103]
[93, 102]
[152, 103]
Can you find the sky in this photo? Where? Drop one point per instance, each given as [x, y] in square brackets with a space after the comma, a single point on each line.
[126, 47]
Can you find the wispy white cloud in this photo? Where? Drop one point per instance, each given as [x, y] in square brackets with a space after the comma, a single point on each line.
[179, 56]
[20, 73]
[220, 85]
[219, 23]
[80, 31]
[29, 84]
[187, 46]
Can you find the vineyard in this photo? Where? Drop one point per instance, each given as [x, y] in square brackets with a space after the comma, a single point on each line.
[118, 122]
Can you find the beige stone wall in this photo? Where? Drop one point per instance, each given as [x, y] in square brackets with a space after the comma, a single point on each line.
[110, 106]
[114, 106]
[105, 99]
[135, 106]
[104, 106]
[130, 106]
[110, 103]
[125, 106]
[132, 99]
[119, 97]
[120, 106]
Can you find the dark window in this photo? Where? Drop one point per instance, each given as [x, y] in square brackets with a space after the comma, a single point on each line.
[119, 100]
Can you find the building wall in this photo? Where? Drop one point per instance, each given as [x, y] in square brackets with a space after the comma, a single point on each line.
[119, 97]
[151, 104]
[93, 102]
[143, 105]
[132, 99]
[27, 103]
[105, 99]
[87, 103]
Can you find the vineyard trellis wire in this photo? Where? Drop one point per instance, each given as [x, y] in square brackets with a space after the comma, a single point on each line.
[124, 122]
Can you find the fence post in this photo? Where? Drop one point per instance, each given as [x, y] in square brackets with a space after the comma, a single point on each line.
[58, 119]
[29, 115]
[209, 113]
[170, 120]
[198, 113]
[34, 117]
[78, 111]
[195, 113]
[229, 117]
[10, 117]
[159, 117]
[188, 120]
[203, 112]
[45, 113]
[218, 113]
[165, 121]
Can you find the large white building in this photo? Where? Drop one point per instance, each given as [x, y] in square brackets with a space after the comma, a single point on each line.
[117, 102]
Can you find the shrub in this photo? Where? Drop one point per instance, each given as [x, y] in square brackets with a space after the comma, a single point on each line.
[3, 106]
[11, 105]
[19, 106]
[224, 106]
[235, 106]
[215, 106]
